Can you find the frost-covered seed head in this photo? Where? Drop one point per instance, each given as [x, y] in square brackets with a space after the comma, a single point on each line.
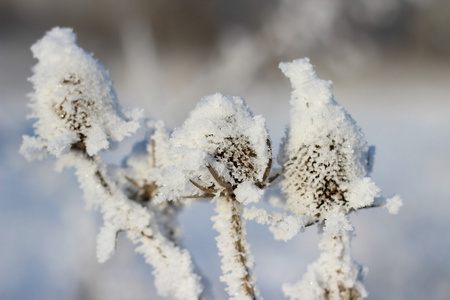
[221, 146]
[325, 154]
[73, 100]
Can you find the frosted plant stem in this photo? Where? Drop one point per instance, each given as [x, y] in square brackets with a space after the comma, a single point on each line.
[173, 267]
[334, 276]
[340, 246]
[234, 249]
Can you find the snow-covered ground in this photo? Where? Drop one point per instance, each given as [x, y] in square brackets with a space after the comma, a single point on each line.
[47, 239]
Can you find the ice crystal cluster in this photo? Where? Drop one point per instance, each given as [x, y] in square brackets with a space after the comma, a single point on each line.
[222, 153]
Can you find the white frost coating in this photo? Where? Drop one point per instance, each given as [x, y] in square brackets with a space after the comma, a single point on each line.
[393, 204]
[148, 154]
[228, 242]
[33, 148]
[106, 242]
[247, 193]
[362, 193]
[325, 155]
[139, 163]
[160, 143]
[337, 223]
[173, 268]
[284, 227]
[73, 99]
[221, 133]
[136, 178]
[334, 276]
[119, 213]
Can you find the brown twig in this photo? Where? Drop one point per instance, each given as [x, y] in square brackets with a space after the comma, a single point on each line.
[208, 191]
[220, 180]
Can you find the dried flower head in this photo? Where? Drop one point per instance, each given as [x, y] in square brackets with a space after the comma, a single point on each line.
[325, 156]
[73, 100]
[221, 146]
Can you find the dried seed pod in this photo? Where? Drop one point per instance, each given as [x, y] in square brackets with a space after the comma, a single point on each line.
[73, 100]
[325, 155]
[219, 147]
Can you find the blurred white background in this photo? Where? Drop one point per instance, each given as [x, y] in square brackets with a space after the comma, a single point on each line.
[390, 64]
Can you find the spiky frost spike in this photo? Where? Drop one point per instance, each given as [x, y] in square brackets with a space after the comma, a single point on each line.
[325, 156]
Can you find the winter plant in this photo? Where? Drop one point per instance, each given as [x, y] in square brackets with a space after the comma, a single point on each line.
[223, 154]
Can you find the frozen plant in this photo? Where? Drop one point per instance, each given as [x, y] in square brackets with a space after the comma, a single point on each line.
[326, 162]
[77, 116]
[222, 153]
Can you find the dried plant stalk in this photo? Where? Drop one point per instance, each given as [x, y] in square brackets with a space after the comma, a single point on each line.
[237, 261]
